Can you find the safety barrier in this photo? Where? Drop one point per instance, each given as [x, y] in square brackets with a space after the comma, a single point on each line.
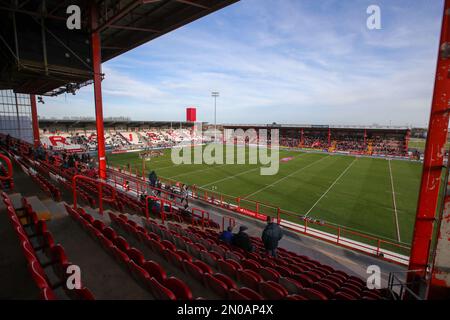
[100, 185]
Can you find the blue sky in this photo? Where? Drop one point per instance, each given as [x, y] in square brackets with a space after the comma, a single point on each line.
[288, 61]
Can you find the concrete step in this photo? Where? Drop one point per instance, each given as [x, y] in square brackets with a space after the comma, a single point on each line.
[40, 208]
[16, 199]
[56, 209]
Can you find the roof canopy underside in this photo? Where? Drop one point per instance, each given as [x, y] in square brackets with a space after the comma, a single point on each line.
[40, 55]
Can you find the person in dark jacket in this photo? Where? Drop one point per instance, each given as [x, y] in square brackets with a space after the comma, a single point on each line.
[227, 235]
[242, 240]
[271, 235]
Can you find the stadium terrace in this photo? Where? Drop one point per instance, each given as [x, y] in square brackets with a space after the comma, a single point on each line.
[98, 209]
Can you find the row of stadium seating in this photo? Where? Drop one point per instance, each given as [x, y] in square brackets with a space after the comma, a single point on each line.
[147, 273]
[41, 252]
[290, 275]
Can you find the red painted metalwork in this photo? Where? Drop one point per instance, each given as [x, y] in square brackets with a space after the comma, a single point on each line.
[302, 139]
[161, 207]
[365, 137]
[10, 168]
[96, 64]
[434, 157]
[34, 120]
[191, 114]
[100, 191]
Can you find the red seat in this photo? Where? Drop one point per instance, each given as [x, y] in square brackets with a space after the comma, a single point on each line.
[269, 274]
[109, 233]
[194, 270]
[120, 256]
[250, 279]
[250, 264]
[122, 244]
[216, 285]
[332, 284]
[350, 292]
[234, 294]
[38, 275]
[137, 256]
[296, 297]
[179, 288]
[227, 280]
[159, 291]
[291, 285]
[324, 289]
[47, 294]
[284, 271]
[205, 268]
[313, 294]
[344, 296]
[228, 268]
[98, 225]
[155, 270]
[138, 273]
[173, 258]
[184, 255]
[272, 290]
[169, 245]
[303, 279]
[251, 294]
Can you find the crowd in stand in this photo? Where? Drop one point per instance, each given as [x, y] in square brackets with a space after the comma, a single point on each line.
[348, 143]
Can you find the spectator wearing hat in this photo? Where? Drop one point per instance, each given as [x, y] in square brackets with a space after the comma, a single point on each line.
[242, 240]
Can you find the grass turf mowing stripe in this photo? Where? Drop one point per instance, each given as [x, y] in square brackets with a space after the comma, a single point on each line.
[237, 175]
[285, 177]
[331, 186]
[394, 202]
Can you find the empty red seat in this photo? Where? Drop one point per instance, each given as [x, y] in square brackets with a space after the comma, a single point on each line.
[291, 285]
[120, 256]
[272, 290]
[216, 285]
[344, 296]
[250, 279]
[155, 270]
[159, 291]
[227, 280]
[313, 294]
[250, 264]
[138, 273]
[194, 270]
[296, 297]
[109, 233]
[136, 255]
[269, 274]
[324, 289]
[179, 288]
[47, 294]
[169, 245]
[303, 279]
[98, 225]
[122, 244]
[205, 268]
[228, 268]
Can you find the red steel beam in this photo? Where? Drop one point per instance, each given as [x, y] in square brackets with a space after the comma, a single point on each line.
[34, 121]
[96, 66]
[434, 157]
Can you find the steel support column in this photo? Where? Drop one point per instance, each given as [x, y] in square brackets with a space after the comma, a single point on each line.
[433, 161]
[34, 121]
[97, 68]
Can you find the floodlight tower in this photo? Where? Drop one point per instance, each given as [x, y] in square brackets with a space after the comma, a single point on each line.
[215, 95]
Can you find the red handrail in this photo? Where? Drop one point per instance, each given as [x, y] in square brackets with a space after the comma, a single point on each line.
[231, 222]
[10, 167]
[161, 208]
[100, 192]
[202, 216]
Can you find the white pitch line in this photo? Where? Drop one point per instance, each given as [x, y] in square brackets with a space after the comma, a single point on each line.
[332, 185]
[394, 202]
[238, 174]
[281, 179]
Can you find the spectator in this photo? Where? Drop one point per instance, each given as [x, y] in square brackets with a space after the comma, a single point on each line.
[126, 185]
[227, 235]
[242, 240]
[271, 235]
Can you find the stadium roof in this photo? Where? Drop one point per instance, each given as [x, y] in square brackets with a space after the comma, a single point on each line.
[110, 122]
[40, 55]
[312, 126]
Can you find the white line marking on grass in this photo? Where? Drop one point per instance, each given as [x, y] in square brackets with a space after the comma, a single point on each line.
[394, 202]
[229, 177]
[332, 185]
[281, 179]
[201, 170]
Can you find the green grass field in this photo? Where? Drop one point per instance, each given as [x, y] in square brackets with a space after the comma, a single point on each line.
[355, 192]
